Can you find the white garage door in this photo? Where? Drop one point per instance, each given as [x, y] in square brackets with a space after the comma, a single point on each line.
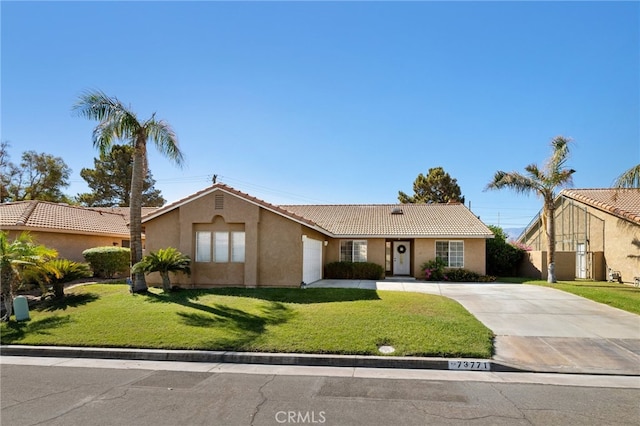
[311, 260]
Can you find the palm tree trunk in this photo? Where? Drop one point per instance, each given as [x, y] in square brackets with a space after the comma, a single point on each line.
[135, 211]
[166, 282]
[550, 230]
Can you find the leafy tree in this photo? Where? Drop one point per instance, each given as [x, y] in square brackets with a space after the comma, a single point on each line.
[16, 258]
[118, 122]
[436, 187]
[110, 181]
[502, 257]
[37, 177]
[58, 272]
[164, 261]
[629, 179]
[543, 182]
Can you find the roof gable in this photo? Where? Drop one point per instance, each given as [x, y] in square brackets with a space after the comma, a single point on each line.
[622, 203]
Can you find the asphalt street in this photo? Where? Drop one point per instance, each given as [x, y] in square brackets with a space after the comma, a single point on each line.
[50, 391]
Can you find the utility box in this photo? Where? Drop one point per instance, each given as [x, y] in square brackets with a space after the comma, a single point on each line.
[21, 308]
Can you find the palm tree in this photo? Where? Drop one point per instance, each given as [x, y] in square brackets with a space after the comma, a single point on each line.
[544, 183]
[629, 179]
[164, 261]
[117, 122]
[17, 257]
[58, 272]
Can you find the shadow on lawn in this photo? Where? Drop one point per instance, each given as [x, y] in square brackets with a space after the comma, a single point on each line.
[293, 295]
[16, 331]
[244, 326]
[68, 301]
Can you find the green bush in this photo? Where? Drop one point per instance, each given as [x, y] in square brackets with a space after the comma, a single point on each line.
[503, 257]
[435, 270]
[108, 261]
[353, 271]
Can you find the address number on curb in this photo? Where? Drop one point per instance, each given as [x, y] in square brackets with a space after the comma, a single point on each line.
[470, 365]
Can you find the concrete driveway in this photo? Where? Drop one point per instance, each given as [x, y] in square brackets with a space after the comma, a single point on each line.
[538, 328]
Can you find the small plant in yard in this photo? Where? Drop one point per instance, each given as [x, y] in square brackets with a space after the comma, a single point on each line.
[58, 272]
[164, 261]
[434, 270]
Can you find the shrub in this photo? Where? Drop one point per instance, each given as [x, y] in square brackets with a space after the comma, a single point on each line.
[353, 271]
[108, 261]
[502, 257]
[433, 270]
[56, 273]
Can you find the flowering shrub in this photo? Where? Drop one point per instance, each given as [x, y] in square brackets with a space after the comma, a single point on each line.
[436, 270]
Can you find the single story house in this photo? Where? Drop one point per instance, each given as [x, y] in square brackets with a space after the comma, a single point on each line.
[68, 229]
[597, 232]
[235, 239]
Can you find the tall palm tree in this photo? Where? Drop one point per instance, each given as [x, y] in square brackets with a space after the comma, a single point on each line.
[164, 261]
[118, 122]
[543, 182]
[16, 257]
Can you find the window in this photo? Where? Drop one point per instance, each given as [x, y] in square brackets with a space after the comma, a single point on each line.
[452, 252]
[237, 246]
[203, 246]
[353, 251]
[221, 248]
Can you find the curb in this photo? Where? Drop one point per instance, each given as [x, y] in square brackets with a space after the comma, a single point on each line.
[315, 360]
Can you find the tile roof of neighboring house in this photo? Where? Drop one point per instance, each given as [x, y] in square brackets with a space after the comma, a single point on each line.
[419, 220]
[56, 217]
[414, 220]
[623, 203]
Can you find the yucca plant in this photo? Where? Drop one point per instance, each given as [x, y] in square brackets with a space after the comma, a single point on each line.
[164, 261]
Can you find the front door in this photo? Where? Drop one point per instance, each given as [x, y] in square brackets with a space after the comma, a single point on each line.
[401, 258]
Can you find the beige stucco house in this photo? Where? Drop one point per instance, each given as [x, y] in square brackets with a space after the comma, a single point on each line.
[597, 231]
[235, 239]
[68, 229]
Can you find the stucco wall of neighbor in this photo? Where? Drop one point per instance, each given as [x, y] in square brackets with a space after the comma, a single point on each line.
[70, 246]
[618, 239]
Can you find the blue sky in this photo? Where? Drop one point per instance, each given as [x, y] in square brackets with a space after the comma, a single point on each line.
[335, 102]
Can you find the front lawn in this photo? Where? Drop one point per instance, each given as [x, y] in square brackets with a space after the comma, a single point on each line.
[336, 321]
[619, 296]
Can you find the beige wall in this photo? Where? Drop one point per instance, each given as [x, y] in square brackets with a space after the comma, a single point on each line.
[534, 265]
[71, 246]
[611, 242]
[424, 249]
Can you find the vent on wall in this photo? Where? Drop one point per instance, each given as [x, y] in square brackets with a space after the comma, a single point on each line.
[219, 202]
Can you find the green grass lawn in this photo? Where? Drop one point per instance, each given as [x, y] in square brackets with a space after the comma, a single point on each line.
[336, 321]
[619, 296]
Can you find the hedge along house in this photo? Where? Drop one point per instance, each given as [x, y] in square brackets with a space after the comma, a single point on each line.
[596, 230]
[235, 239]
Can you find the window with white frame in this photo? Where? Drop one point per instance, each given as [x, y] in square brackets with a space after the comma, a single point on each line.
[237, 246]
[451, 252]
[353, 250]
[203, 246]
[221, 247]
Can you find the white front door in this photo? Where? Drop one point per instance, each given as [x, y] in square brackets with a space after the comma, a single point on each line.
[401, 258]
[581, 261]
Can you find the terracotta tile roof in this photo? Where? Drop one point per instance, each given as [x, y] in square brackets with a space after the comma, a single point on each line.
[417, 220]
[623, 203]
[43, 216]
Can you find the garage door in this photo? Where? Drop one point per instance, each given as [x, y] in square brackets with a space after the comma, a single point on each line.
[311, 260]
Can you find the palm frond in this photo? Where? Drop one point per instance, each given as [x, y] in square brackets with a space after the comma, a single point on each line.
[629, 179]
[512, 180]
[165, 140]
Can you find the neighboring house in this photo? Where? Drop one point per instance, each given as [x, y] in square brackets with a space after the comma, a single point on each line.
[68, 229]
[596, 230]
[235, 239]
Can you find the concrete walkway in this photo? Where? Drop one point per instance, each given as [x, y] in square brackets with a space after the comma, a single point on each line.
[537, 328]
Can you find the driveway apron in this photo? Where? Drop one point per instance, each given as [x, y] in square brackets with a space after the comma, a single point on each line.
[538, 328]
